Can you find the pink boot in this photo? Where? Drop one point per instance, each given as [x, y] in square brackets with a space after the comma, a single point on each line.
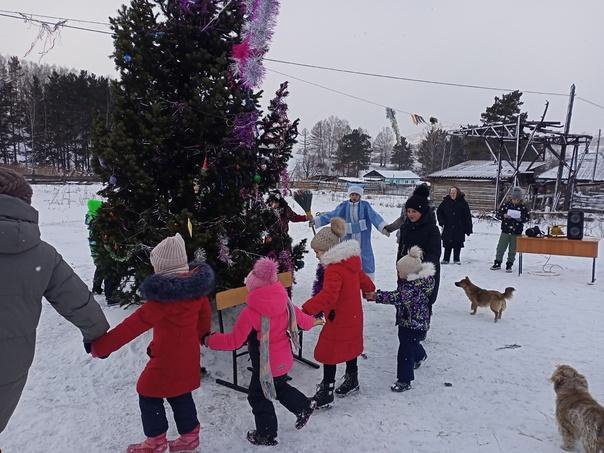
[187, 443]
[157, 444]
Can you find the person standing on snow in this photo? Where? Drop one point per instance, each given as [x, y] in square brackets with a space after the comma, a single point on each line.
[455, 218]
[30, 270]
[359, 216]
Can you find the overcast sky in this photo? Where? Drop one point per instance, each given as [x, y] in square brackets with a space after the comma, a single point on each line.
[539, 45]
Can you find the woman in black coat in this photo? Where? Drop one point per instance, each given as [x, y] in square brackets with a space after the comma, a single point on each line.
[418, 227]
[455, 218]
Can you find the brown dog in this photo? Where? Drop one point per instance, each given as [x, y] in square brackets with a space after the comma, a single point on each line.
[485, 297]
[579, 416]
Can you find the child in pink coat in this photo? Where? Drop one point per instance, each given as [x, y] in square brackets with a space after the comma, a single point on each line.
[269, 324]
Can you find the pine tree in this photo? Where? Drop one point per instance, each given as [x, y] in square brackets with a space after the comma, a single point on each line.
[187, 150]
[402, 155]
[505, 109]
[432, 150]
[354, 153]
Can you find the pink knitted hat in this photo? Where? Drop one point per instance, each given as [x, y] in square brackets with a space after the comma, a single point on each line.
[264, 273]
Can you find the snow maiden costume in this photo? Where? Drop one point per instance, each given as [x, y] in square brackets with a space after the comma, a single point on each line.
[358, 217]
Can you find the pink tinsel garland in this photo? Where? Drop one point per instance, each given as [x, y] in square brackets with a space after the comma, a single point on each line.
[257, 33]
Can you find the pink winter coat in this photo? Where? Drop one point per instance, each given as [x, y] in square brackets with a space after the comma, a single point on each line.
[270, 301]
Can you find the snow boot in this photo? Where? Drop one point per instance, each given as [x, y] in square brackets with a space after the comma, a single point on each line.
[496, 266]
[302, 417]
[457, 262]
[508, 267]
[444, 262]
[186, 443]
[399, 386]
[261, 439]
[157, 444]
[418, 363]
[349, 386]
[324, 396]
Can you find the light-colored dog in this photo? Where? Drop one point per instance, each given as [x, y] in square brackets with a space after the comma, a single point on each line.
[485, 297]
[579, 416]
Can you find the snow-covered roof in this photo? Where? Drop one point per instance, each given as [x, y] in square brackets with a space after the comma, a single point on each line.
[585, 172]
[394, 174]
[479, 169]
[352, 180]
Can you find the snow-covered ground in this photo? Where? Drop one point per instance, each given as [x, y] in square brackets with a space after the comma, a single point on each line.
[499, 400]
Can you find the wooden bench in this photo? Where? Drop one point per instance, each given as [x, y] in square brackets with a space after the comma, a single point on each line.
[238, 296]
[586, 248]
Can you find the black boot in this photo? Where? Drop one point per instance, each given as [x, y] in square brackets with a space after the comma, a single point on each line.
[496, 266]
[418, 363]
[302, 417]
[399, 386]
[261, 439]
[324, 395]
[350, 385]
[508, 266]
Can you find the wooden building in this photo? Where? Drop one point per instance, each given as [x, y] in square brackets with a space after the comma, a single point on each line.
[478, 180]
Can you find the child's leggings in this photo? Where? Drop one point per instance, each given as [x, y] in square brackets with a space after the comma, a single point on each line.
[410, 351]
[329, 371]
[154, 418]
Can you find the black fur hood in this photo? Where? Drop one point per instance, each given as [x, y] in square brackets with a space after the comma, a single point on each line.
[200, 281]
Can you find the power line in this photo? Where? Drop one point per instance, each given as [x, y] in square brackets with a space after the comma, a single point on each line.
[83, 21]
[337, 91]
[42, 22]
[29, 17]
[410, 79]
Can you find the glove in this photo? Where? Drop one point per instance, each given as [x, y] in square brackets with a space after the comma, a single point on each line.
[385, 232]
[88, 347]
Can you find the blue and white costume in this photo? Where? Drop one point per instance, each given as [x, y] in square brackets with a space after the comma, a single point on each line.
[358, 217]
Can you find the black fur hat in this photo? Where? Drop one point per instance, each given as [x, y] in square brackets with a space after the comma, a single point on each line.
[419, 199]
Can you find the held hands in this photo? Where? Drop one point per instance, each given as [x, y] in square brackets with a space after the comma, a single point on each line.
[385, 232]
[370, 297]
[309, 216]
[319, 322]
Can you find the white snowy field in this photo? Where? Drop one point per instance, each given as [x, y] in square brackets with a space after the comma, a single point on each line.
[500, 399]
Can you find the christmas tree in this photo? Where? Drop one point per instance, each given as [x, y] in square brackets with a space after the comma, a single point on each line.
[187, 149]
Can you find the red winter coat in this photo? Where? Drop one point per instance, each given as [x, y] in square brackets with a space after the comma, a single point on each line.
[270, 301]
[340, 300]
[178, 311]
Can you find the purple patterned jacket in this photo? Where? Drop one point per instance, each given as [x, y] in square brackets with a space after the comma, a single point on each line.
[411, 299]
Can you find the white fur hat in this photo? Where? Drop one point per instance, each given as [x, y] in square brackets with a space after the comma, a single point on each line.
[355, 188]
[411, 263]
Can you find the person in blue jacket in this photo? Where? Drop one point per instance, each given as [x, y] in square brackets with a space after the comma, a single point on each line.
[359, 217]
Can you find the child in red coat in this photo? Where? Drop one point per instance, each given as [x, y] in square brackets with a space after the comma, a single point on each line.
[178, 311]
[341, 339]
[269, 324]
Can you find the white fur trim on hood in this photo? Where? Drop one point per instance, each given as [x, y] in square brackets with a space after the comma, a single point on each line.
[428, 270]
[341, 252]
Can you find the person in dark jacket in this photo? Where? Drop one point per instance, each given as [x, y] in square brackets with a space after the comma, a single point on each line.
[31, 269]
[513, 215]
[418, 227]
[455, 218]
[285, 213]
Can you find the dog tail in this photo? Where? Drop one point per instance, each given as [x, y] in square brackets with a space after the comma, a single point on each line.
[509, 292]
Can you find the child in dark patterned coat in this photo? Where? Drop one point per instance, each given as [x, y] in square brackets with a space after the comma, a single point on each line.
[412, 302]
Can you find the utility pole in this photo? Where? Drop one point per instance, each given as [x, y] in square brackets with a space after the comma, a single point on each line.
[569, 114]
[593, 175]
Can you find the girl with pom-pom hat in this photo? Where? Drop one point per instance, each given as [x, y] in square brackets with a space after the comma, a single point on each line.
[412, 302]
[341, 339]
[417, 226]
[268, 323]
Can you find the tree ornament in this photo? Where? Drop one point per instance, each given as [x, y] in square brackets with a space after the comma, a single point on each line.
[205, 166]
[112, 180]
[257, 178]
[127, 58]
